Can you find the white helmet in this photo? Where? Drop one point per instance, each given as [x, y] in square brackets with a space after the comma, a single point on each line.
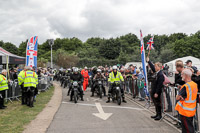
[99, 70]
[86, 67]
[114, 68]
[75, 69]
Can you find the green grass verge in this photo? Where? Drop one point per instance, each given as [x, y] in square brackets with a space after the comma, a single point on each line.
[15, 117]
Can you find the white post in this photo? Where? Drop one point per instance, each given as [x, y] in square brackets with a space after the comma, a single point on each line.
[51, 58]
[51, 42]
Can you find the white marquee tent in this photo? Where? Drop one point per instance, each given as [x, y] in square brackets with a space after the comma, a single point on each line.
[195, 62]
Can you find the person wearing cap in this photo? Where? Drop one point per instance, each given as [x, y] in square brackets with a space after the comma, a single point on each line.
[86, 77]
[187, 102]
[21, 84]
[189, 66]
[115, 76]
[36, 79]
[3, 88]
[30, 82]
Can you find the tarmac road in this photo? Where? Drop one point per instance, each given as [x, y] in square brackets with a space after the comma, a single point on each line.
[126, 118]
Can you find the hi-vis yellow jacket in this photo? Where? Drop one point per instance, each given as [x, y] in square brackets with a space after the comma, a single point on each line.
[3, 83]
[29, 79]
[118, 77]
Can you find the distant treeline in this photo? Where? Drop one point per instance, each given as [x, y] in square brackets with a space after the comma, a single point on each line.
[100, 51]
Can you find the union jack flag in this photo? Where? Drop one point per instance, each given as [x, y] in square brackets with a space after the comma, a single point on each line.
[150, 43]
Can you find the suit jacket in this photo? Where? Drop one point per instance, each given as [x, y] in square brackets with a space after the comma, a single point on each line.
[158, 82]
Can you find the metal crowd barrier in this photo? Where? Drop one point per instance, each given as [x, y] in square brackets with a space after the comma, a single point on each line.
[131, 87]
[168, 99]
[169, 103]
[44, 83]
[14, 90]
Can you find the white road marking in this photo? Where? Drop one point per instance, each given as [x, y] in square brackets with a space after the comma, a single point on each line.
[101, 114]
[105, 106]
[96, 99]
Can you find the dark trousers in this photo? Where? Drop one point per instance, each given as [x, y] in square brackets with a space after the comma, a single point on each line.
[169, 102]
[111, 88]
[95, 85]
[72, 93]
[30, 95]
[187, 124]
[24, 95]
[2, 96]
[157, 103]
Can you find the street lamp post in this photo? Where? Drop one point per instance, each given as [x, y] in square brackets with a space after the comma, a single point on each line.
[51, 42]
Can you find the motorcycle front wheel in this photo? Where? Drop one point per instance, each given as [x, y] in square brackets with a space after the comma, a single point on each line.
[75, 97]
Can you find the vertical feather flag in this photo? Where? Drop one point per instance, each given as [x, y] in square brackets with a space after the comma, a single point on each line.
[144, 63]
[31, 52]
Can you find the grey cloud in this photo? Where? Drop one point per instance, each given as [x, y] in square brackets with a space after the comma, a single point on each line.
[90, 18]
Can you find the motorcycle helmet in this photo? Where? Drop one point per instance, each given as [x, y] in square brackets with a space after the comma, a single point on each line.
[99, 70]
[114, 68]
[75, 69]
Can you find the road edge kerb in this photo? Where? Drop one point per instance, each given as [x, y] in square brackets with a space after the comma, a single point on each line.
[43, 120]
[133, 101]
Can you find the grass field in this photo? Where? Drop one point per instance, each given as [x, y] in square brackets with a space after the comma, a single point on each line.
[14, 118]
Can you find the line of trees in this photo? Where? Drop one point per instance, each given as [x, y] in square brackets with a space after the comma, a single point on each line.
[69, 52]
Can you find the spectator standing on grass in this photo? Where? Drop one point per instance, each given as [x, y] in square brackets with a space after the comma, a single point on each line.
[3, 87]
[20, 82]
[187, 102]
[29, 78]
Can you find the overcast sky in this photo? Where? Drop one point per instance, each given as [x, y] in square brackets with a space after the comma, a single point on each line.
[21, 19]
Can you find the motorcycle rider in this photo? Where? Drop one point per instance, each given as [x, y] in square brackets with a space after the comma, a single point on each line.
[65, 78]
[115, 76]
[76, 76]
[94, 72]
[100, 76]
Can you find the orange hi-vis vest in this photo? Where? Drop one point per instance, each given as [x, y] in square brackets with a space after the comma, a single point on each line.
[188, 106]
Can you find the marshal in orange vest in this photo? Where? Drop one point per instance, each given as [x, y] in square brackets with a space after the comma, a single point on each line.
[188, 106]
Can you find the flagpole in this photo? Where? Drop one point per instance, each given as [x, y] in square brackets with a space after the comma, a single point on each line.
[149, 52]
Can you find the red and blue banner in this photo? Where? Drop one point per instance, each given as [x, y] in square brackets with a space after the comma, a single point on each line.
[144, 63]
[31, 52]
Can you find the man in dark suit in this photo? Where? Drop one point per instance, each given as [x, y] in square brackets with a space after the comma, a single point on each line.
[157, 88]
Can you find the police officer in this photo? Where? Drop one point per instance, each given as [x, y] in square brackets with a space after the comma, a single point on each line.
[187, 102]
[30, 81]
[3, 88]
[76, 76]
[100, 76]
[115, 76]
[20, 82]
[36, 79]
[94, 72]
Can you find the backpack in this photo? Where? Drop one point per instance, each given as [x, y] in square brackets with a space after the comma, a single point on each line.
[166, 81]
